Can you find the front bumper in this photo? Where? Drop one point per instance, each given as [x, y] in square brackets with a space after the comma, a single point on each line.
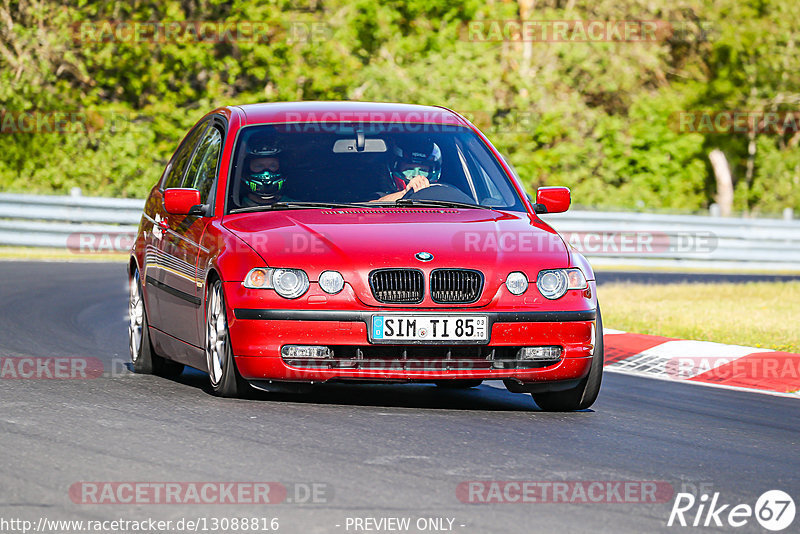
[258, 334]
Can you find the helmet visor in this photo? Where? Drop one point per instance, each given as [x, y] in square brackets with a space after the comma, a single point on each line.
[408, 174]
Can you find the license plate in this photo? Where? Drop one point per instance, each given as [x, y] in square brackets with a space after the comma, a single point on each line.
[429, 328]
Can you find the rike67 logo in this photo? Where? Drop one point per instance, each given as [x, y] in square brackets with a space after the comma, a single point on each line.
[774, 510]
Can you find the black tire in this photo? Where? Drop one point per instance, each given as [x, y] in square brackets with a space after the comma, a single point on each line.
[585, 393]
[141, 351]
[458, 384]
[223, 375]
[144, 359]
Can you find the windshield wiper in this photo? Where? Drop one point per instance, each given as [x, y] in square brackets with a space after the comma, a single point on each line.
[438, 203]
[401, 202]
[296, 205]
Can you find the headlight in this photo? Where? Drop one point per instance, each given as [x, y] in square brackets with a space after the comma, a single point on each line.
[553, 284]
[288, 283]
[331, 282]
[517, 283]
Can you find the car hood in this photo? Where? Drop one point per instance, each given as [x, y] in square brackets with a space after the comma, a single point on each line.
[356, 241]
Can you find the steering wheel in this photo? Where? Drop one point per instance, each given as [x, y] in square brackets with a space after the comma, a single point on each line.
[440, 191]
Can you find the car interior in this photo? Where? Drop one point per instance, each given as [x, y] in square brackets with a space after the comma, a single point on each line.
[344, 164]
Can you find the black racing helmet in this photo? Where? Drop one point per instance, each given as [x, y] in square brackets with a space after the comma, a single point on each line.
[414, 153]
[263, 149]
[265, 185]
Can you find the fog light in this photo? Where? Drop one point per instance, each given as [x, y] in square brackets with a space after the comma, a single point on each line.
[331, 282]
[539, 353]
[306, 351]
[517, 283]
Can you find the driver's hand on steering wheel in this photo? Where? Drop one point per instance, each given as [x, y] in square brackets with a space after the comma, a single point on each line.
[416, 183]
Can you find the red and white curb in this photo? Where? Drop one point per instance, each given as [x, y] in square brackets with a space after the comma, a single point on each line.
[703, 362]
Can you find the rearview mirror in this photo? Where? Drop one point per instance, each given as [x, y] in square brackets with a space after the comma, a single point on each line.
[552, 199]
[343, 146]
[183, 201]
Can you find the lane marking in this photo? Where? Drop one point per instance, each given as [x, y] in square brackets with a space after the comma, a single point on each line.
[705, 363]
[663, 359]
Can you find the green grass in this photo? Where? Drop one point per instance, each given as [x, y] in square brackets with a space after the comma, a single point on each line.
[756, 314]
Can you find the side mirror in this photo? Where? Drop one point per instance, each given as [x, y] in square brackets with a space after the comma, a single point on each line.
[180, 201]
[552, 199]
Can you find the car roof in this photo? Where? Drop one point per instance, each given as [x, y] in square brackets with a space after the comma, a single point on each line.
[279, 112]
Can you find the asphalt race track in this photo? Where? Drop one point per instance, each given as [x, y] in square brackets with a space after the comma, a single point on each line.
[383, 451]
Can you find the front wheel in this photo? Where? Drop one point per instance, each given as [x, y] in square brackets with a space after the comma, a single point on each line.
[225, 378]
[585, 393]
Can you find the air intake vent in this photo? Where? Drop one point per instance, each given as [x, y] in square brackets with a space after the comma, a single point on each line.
[456, 286]
[389, 211]
[397, 286]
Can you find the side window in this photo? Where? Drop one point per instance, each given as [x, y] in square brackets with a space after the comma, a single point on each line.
[203, 168]
[498, 191]
[181, 158]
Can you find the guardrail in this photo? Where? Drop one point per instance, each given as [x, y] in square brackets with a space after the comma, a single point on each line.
[60, 221]
[615, 238]
[604, 237]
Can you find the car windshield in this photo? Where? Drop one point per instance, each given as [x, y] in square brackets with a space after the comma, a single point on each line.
[314, 164]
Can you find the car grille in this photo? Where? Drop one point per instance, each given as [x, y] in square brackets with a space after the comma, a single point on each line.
[419, 358]
[397, 286]
[455, 286]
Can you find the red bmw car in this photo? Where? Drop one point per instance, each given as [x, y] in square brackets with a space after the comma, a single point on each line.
[302, 243]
